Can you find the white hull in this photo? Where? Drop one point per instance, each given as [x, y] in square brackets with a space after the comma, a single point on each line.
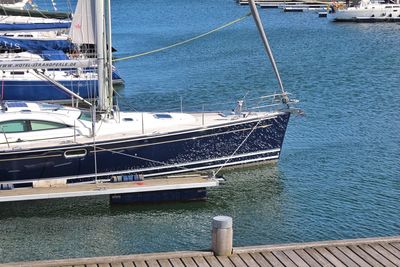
[370, 12]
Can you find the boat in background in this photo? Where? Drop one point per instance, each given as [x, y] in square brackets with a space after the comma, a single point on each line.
[26, 8]
[14, 4]
[369, 11]
[49, 84]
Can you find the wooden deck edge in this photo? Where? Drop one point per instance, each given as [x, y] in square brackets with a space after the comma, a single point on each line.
[328, 243]
[110, 259]
[184, 254]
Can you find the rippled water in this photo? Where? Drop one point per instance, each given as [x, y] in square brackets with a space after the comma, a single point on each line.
[338, 176]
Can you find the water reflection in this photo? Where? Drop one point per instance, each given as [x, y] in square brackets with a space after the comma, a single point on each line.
[80, 227]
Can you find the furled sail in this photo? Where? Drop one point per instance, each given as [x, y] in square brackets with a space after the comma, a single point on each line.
[82, 28]
[34, 46]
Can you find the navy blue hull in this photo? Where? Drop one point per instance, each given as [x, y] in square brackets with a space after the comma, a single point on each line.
[200, 149]
[46, 91]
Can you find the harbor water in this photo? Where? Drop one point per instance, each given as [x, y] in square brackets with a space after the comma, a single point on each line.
[338, 175]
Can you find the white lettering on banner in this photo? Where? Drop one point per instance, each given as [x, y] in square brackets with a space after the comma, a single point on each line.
[61, 64]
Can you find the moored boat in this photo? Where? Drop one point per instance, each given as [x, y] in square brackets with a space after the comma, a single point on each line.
[369, 11]
[51, 142]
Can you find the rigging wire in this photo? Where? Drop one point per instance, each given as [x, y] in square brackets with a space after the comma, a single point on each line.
[185, 41]
[237, 149]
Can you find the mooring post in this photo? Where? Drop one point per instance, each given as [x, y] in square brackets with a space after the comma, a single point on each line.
[222, 236]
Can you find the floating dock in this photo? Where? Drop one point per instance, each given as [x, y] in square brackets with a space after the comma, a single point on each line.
[357, 252]
[117, 190]
[278, 3]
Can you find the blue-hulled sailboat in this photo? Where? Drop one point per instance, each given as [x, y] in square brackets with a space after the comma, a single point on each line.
[49, 142]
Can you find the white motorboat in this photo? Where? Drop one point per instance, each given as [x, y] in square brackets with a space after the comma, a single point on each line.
[369, 11]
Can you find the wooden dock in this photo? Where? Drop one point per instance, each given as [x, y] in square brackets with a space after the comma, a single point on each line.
[277, 3]
[384, 251]
[108, 188]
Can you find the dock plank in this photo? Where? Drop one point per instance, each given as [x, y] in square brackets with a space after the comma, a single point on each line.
[116, 264]
[237, 261]
[306, 257]
[330, 257]
[295, 258]
[225, 261]
[212, 261]
[361, 253]
[200, 261]
[342, 257]
[396, 245]
[164, 263]
[128, 264]
[189, 262]
[378, 248]
[354, 257]
[152, 263]
[391, 249]
[272, 259]
[283, 258]
[376, 255]
[248, 260]
[140, 263]
[176, 262]
[260, 259]
[318, 257]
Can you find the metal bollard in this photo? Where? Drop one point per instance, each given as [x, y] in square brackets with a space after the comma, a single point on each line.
[222, 236]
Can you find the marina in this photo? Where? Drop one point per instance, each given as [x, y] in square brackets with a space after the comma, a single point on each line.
[336, 177]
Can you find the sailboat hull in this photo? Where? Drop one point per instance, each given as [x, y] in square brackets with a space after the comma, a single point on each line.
[38, 90]
[231, 144]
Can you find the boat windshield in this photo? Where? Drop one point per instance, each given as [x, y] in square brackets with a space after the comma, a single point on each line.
[85, 116]
[47, 106]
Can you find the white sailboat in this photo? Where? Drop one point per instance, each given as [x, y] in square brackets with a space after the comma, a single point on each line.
[50, 84]
[46, 142]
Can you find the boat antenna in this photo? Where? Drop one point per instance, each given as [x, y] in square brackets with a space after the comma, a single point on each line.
[264, 39]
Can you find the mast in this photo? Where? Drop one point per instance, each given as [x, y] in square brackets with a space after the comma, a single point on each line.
[109, 54]
[260, 27]
[104, 103]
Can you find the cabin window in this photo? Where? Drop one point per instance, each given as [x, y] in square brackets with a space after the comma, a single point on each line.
[46, 125]
[162, 116]
[17, 126]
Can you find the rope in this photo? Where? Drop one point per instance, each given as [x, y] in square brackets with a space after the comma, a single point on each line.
[186, 41]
